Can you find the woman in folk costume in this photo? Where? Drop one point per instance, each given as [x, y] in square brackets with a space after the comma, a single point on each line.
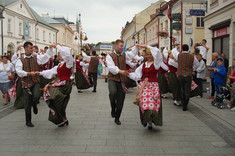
[173, 80]
[57, 93]
[163, 83]
[81, 79]
[148, 92]
[19, 98]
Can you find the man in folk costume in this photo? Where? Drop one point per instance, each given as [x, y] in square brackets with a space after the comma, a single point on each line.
[186, 63]
[148, 94]
[57, 93]
[93, 69]
[116, 63]
[28, 68]
[81, 79]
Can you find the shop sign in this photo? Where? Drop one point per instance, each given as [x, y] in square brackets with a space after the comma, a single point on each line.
[221, 32]
[194, 12]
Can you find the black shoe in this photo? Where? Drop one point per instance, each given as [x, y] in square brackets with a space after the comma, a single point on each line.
[117, 122]
[94, 91]
[185, 109]
[35, 109]
[66, 123]
[150, 126]
[79, 91]
[29, 124]
[145, 125]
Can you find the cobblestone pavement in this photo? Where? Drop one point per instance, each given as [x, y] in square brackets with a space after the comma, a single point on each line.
[92, 131]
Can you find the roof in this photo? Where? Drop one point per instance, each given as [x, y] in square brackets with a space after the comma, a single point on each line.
[51, 20]
[7, 2]
[35, 14]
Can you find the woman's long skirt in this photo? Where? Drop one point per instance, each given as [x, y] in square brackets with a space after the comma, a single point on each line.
[163, 84]
[150, 105]
[175, 86]
[19, 101]
[58, 101]
[81, 81]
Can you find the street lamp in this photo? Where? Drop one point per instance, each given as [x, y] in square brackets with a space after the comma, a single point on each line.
[160, 13]
[1, 18]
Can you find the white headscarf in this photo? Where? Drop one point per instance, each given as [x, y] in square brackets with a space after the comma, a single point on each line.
[66, 55]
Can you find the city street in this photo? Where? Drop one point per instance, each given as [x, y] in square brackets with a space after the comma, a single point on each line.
[92, 132]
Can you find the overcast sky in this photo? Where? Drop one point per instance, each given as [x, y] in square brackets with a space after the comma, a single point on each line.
[102, 20]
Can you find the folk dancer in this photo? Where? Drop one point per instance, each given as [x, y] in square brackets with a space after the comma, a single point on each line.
[27, 68]
[148, 94]
[116, 62]
[57, 93]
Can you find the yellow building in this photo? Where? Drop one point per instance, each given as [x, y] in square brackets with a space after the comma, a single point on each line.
[190, 27]
[138, 22]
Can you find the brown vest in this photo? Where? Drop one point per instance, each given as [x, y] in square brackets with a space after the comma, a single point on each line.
[185, 64]
[29, 65]
[120, 62]
[93, 65]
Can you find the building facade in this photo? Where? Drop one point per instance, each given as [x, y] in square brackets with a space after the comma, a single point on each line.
[22, 23]
[65, 36]
[187, 23]
[137, 24]
[220, 28]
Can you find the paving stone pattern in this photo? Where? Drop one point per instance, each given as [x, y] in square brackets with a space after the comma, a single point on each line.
[92, 132]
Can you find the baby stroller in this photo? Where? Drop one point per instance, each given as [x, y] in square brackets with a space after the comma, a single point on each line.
[219, 101]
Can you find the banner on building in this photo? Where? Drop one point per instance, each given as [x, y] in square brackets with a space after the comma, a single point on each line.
[26, 29]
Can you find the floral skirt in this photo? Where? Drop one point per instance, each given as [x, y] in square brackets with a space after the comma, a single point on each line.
[150, 104]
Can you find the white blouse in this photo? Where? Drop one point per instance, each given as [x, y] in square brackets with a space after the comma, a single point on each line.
[5, 71]
[158, 62]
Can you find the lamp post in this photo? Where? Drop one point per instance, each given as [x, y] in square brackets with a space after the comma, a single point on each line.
[160, 13]
[1, 18]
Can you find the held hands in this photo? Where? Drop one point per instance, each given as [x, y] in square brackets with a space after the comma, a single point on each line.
[33, 73]
[53, 46]
[216, 70]
[124, 72]
[141, 45]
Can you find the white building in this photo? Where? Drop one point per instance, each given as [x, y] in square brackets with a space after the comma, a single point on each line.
[220, 28]
[22, 23]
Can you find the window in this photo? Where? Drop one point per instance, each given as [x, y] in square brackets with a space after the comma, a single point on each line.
[20, 28]
[200, 22]
[37, 34]
[54, 38]
[161, 26]
[21, 6]
[50, 37]
[9, 25]
[44, 36]
[30, 34]
[166, 26]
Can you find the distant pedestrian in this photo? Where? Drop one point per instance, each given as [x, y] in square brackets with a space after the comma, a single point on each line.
[6, 77]
[203, 49]
[212, 73]
[226, 62]
[219, 80]
[201, 73]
